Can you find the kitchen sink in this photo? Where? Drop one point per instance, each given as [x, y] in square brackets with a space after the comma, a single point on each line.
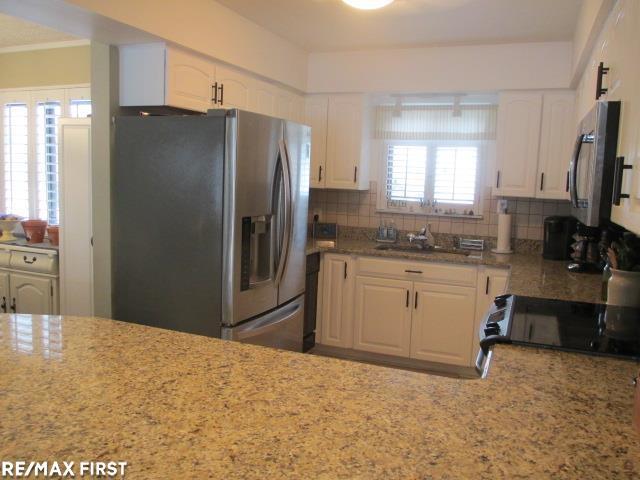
[419, 249]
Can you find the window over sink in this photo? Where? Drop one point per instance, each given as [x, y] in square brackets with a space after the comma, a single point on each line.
[433, 157]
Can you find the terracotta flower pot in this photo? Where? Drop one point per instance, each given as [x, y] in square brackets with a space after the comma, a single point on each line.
[34, 230]
[54, 234]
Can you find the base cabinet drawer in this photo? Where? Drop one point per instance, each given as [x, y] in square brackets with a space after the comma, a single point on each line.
[418, 271]
[34, 262]
[382, 321]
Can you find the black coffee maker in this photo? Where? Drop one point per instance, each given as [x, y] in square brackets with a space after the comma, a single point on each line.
[558, 232]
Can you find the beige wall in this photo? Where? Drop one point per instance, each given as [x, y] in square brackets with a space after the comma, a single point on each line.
[209, 28]
[466, 68]
[37, 68]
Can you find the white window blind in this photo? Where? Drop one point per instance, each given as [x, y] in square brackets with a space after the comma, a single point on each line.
[79, 108]
[455, 175]
[47, 114]
[16, 158]
[29, 130]
[406, 172]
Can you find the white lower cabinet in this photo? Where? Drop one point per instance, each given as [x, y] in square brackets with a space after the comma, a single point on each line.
[31, 294]
[442, 323]
[382, 321]
[420, 310]
[4, 292]
[337, 301]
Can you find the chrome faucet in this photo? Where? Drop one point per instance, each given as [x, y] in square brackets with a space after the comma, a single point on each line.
[424, 237]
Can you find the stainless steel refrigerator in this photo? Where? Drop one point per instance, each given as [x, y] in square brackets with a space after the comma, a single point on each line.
[209, 225]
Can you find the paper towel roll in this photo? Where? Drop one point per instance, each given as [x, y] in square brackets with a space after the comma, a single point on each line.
[504, 234]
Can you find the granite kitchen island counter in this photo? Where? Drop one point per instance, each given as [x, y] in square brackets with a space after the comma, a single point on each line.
[175, 405]
[531, 275]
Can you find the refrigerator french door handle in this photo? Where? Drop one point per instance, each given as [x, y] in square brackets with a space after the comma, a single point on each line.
[287, 211]
[573, 172]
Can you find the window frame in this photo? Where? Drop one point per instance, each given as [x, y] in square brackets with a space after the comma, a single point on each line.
[31, 96]
[426, 208]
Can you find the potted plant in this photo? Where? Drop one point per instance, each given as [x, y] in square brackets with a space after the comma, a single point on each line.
[623, 286]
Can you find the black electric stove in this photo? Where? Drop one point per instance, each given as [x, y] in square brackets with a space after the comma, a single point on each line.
[588, 328]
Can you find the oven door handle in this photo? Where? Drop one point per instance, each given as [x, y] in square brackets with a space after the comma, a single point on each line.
[483, 362]
[573, 171]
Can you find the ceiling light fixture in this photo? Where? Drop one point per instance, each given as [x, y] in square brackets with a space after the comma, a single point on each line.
[367, 4]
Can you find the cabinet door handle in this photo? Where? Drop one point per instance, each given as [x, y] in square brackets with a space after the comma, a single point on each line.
[13, 305]
[542, 181]
[486, 287]
[320, 173]
[413, 271]
[222, 94]
[4, 304]
[345, 269]
[566, 187]
[26, 260]
[619, 169]
[215, 93]
[355, 174]
[498, 179]
[415, 301]
[407, 302]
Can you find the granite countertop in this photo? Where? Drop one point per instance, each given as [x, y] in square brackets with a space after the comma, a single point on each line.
[531, 275]
[184, 406]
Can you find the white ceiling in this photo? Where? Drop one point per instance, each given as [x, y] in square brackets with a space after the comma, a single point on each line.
[330, 25]
[17, 32]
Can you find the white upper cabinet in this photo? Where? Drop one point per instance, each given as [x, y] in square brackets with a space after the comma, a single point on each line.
[621, 56]
[347, 143]
[234, 88]
[382, 321]
[316, 111]
[156, 74]
[263, 98]
[556, 145]
[340, 141]
[189, 80]
[518, 139]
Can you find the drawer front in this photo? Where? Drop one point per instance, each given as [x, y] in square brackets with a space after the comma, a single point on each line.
[463, 275]
[34, 262]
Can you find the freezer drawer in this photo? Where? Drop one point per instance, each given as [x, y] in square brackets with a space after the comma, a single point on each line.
[280, 328]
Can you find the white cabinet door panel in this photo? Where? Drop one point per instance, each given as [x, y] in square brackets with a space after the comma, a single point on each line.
[31, 294]
[556, 145]
[236, 88]
[519, 116]
[344, 139]
[337, 301]
[189, 81]
[382, 321]
[442, 324]
[316, 111]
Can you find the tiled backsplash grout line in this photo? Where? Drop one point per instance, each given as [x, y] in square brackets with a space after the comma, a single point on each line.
[358, 209]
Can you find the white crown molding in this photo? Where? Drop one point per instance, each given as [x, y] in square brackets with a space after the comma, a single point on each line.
[45, 46]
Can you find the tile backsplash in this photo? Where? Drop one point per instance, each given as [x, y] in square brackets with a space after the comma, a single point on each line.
[358, 209]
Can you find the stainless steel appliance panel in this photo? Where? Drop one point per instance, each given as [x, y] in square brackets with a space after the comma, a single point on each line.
[167, 179]
[253, 209]
[592, 165]
[280, 328]
[297, 142]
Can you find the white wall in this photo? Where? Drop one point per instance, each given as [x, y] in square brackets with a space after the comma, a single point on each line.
[204, 26]
[443, 69]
